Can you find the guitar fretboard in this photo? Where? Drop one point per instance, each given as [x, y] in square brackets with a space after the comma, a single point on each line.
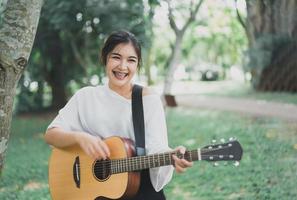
[150, 161]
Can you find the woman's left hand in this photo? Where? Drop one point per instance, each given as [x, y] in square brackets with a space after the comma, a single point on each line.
[181, 164]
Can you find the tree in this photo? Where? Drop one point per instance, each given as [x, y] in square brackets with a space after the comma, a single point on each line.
[69, 37]
[148, 45]
[17, 32]
[271, 28]
[176, 47]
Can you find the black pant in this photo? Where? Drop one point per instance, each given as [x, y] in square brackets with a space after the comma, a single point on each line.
[146, 190]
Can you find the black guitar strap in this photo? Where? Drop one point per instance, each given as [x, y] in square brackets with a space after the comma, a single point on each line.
[138, 120]
[146, 190]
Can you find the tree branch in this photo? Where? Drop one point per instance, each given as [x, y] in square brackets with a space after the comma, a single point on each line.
[193, 14]
[239, 18]
[171, 18]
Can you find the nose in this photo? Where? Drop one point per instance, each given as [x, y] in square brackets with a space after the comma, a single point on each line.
[123, 64]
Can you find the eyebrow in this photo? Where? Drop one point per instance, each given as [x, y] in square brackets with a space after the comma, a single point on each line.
[117, 54]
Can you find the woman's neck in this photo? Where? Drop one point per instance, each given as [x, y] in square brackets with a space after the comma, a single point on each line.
[125, 90]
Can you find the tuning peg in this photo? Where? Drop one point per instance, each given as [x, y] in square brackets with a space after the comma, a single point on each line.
[236, 163]
[231, 138]
[213, 141]
[222, 140]
[215, 164]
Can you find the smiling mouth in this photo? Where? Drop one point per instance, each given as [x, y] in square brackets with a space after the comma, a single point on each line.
[119, 75]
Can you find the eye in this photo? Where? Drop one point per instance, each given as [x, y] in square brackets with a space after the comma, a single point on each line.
[115, 57]
[132, 60]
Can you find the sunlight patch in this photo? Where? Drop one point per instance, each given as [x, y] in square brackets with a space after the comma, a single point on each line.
[190, 142]
[271, 133]
[32, 185]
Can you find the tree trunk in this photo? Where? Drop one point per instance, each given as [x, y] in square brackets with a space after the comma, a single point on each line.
[56, 75]
[270, 25]
[173, 64]
[59, 97]
[147, 66]
[176, 50]
[17, 34]
[281, 74]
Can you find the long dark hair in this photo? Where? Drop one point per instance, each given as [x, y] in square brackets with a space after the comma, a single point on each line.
[119, 37]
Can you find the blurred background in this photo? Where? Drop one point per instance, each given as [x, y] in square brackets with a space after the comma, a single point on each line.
[229, 65]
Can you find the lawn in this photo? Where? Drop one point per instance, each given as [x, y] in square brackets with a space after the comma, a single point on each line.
[233, 89]
[267, 171]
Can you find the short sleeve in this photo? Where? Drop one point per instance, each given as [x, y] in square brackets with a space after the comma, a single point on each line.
[68, 117]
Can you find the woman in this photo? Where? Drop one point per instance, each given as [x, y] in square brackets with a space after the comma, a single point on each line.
[95, 113]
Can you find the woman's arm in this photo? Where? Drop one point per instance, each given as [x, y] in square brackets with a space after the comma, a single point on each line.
[91, 145]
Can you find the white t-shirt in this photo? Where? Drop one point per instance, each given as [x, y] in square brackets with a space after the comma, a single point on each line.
[102, 112]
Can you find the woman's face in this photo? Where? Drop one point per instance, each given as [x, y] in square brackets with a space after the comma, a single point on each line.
[121, 65]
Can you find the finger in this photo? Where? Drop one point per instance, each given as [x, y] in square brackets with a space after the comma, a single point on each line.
[91, 152]
[104, 148]
[181, 149]
[177, 161]
[99, 152]
[186, 163]
[179, 169]
[182, 162]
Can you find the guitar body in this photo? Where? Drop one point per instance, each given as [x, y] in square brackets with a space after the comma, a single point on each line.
[72, 175]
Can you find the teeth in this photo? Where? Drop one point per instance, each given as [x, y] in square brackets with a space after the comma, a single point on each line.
[120, 75]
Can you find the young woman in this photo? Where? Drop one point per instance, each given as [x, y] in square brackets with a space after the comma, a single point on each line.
[95, 113]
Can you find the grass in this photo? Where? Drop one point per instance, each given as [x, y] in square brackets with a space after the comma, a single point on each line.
[267, 171]
[25, 172]
[234, 89]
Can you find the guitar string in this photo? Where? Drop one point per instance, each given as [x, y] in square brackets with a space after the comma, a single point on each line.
[120, 168]
[122, 164]
[151, 158]
[137, 162]
[105, 174]
[100, 173]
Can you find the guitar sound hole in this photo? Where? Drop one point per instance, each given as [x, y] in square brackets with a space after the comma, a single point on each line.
[102, 169]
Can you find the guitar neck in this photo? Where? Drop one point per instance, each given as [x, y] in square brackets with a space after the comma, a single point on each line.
[151, 161]
[230, 151]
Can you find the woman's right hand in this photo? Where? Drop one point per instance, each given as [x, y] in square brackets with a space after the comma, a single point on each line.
[93, 146]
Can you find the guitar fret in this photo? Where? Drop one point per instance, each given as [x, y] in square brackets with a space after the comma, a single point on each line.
[121, 166]
[150, 161]
[147, 162]
[137, 163]
[125, 165]
[190, 156]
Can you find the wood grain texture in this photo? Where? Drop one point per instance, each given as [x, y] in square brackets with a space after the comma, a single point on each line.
[117, 186]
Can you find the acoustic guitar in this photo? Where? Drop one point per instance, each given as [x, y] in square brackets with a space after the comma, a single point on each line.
[76, 176]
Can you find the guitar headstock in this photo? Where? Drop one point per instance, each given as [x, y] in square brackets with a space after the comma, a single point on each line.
[226, 151]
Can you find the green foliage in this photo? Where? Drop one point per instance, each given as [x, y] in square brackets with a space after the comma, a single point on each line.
[216, 37]
[267, 170]
[69, 37]
[260, 55]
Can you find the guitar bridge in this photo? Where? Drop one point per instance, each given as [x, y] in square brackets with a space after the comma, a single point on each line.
[76, 172]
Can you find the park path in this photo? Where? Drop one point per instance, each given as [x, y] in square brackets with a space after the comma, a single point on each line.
[246, 106]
